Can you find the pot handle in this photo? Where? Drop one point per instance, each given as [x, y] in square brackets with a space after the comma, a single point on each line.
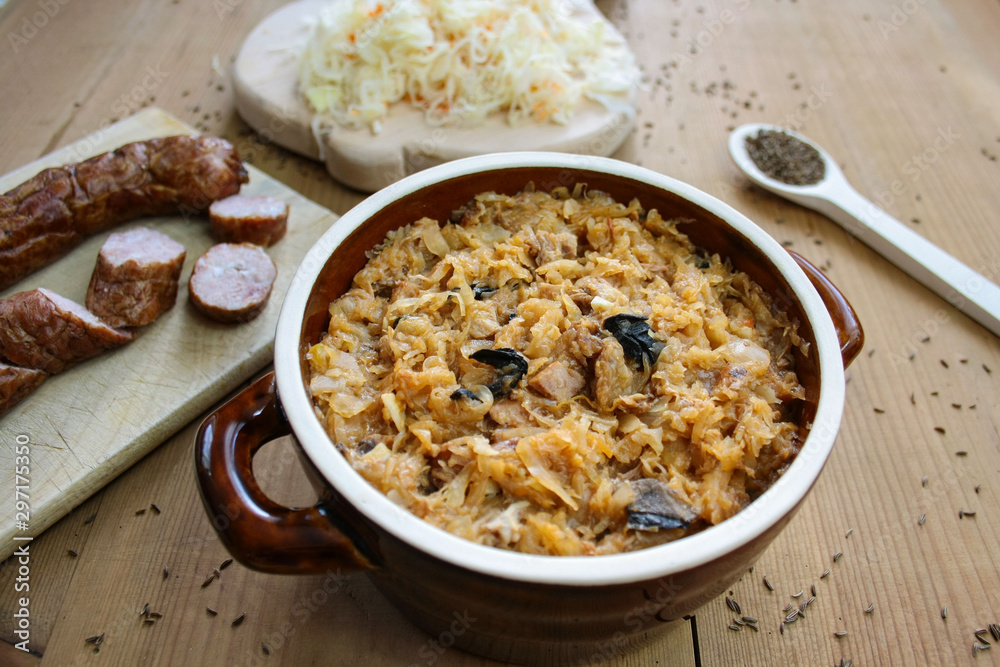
[845, 320]
[258, 532]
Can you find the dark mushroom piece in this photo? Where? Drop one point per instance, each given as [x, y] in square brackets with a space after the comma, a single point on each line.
[481, 292]
[657, 507]
[462, 392]
[510, 365]
[632, 331]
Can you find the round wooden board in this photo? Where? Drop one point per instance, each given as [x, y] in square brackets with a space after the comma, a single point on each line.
[265, 77]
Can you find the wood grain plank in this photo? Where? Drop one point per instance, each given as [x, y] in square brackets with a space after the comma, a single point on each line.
[89, 423]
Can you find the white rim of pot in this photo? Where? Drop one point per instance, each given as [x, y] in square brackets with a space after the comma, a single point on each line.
[642, 565]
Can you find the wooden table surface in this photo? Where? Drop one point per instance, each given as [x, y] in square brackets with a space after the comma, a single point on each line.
[906, 94]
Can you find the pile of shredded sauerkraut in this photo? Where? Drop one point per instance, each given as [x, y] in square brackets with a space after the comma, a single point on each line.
[461, 60]
[657, 396]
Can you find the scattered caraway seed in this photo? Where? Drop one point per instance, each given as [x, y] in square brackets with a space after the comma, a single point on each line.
[156, 508]
[155, 614]
[735, 627]
[920, 521]
[768, 584]
[978, 486]
[216, 572]
[733, 605]
[939, 429]
[149, 621]
[799, 594]
[264, 649]
[751, 619]
[210, 578]
[789, 607]
[90, 519]
[879, 411]
[72, 553]
[226, 563]
[987, 368]
[791, 618]
[142, 511]
[211, 612]
[837, 556]
[781, 628]
[995, 631]
[981, 631]
[826, 573]
[738, 622]
[812, 589]
[972, 513]
[961, 452]
[923, 482]
[95, 640]
[166, 571]
[870, 608]
[145, 610]
[844, 662]
[840, 633]
[753, 627]
[808, 602]
[239, 619]
[848, 533]
[944, 363]
[913, 399]
[944, 612]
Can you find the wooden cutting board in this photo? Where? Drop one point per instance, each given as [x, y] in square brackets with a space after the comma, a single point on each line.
[265, 80]
[91, 422]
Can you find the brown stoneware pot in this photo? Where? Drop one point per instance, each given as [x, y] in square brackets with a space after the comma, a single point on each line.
[505, 605]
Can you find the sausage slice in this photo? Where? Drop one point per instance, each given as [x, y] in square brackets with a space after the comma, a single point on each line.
[136, 277]
[249, 219]
[16, 383]
[232, 282]
[42, 330]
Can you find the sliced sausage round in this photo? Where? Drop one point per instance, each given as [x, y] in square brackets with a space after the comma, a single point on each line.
[42, 330]
[248, 219]
[232, 282]
[136, 277]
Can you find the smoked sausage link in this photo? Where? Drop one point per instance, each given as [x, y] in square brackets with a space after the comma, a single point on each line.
[47, 216]
[136, 277]
[42, 330]
[16, 383]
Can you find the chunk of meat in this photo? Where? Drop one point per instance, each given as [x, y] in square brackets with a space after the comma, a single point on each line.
[50, 214]
[42, 330]
[508, 413]
[16, 383]
[249, 219]
[553, 246]
[557, 381]
[136, 277]
[232, 282]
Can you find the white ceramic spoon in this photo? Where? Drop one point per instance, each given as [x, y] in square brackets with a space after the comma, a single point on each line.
[834, 197]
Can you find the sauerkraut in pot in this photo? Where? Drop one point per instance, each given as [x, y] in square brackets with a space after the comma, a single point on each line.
[559, 374]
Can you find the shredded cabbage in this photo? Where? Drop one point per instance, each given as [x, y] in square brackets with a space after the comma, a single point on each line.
[461, 60]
